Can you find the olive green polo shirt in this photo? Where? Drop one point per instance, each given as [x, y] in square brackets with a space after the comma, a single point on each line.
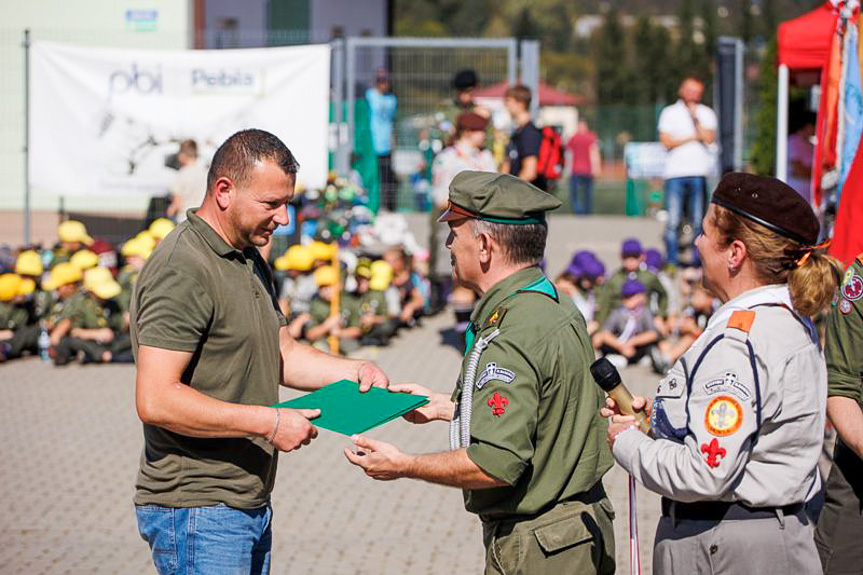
[535, 420]
[843, 349]
[197, 294]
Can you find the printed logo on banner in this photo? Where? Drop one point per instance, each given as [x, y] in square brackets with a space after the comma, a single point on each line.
[227, 81]
[135, 79]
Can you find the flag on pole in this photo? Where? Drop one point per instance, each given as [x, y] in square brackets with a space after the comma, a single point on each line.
[853, 119]
[848, 228]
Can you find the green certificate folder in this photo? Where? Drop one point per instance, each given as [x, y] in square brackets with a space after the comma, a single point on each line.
[347, 411]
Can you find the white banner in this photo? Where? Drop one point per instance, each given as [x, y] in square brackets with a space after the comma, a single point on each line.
[106, 121]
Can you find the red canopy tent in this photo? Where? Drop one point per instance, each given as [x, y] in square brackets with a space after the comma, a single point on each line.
[804, 42]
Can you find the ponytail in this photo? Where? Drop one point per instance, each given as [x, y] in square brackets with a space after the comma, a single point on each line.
[813, 283]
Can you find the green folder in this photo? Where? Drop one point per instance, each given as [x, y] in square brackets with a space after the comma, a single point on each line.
[347, 411]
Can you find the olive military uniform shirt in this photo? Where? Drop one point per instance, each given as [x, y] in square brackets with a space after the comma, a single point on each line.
[198, 294]
[610, 298]
[535, 418]
[348, 307]
[14, 316]
[87, 313]
[842, 349]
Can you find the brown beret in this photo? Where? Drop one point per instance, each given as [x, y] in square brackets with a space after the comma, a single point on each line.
[769, 202]
[471, 121]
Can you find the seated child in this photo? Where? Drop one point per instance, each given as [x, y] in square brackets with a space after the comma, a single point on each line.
[628, 333]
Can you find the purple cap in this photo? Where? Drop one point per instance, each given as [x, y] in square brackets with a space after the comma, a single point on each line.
[631, 287]
[583, 256]
[631, 247]
[575, 270]
[653, 260]
[593, 269]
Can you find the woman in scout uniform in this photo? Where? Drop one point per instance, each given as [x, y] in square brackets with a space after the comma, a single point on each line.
[737, 424]
[841, 521]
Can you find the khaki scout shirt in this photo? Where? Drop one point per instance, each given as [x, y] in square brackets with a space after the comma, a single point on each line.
[610, 298]
[348, 307]
[197, 294]
[708, 443]
[14, 316]
[843, 347]
[535, 420]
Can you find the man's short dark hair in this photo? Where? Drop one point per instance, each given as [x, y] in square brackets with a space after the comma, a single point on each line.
[521, 243]
[519, 93]
[237, 156]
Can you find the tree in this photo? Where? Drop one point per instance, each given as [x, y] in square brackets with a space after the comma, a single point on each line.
[763, 156]
[612, 74]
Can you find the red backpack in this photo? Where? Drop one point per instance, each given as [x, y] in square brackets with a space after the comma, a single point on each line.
[550, 161]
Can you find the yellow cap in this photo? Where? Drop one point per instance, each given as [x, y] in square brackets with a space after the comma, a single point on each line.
[29, 264]
[9, 284]
[326, 276]
[382, 269]
[299, 258]
[106, 289]
[161, 228]
[74, 231]
[146, 239]
[322, 251]
[63, 274]
[95, 276]
[136, 247]
[84, 260]
[379, 283]
[27, 286]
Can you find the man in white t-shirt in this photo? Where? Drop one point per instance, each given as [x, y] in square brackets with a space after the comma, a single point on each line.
[188, 188]
[687, 129]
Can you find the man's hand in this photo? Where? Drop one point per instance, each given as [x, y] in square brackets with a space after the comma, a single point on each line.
[369, 375]
[379, 460]
[294, 429]
[439, 407]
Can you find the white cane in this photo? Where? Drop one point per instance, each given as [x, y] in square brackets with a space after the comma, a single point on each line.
[634, 556]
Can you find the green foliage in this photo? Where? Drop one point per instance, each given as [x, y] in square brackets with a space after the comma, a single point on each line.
[613, 77]
[763, 151]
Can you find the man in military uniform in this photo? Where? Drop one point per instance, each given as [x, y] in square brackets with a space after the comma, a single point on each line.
[526, 448]
[632, 256]
[841, 520]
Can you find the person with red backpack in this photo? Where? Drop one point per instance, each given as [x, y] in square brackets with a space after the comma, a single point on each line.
[523, 151]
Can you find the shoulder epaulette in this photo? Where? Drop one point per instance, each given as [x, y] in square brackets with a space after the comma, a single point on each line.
[741, 319]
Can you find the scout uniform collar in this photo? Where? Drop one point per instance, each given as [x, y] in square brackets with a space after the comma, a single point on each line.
[213, 239]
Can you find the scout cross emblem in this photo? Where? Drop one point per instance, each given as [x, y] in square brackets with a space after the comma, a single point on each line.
[498, 404]
[714, 452]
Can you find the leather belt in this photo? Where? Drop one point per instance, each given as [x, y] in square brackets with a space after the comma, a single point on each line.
[719, 510]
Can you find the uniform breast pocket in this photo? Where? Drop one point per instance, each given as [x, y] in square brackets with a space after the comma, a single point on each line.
[668, 416]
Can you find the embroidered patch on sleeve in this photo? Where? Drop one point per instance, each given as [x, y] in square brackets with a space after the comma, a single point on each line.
[724, 416]
[845, 307]
[714, 453]
[498, 404]
[729, 383]
[494, 373]
[852, 290]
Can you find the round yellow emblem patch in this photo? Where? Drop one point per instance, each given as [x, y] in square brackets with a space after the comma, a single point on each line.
[724, 416]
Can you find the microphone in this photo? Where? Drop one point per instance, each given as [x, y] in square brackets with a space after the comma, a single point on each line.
[607, 377]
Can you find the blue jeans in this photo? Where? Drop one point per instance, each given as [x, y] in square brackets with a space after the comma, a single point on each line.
[214, 539]
[679, 192]
[581, 203]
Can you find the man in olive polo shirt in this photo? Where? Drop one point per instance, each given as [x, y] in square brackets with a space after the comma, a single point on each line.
[527, 444]
[212, 348]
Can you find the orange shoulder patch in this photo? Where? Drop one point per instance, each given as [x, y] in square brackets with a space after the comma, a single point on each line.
[742, 319]
[860, 259]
